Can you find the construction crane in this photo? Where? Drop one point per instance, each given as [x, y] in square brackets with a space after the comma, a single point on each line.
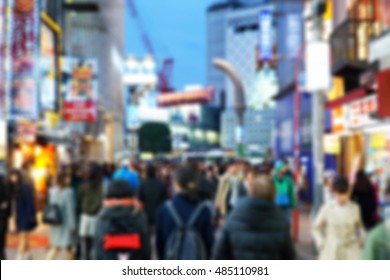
[165, 74]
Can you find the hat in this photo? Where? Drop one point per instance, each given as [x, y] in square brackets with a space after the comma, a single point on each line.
[119, 189]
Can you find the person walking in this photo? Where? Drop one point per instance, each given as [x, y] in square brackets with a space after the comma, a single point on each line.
[121, 228]
[62, 235]
[184, 214]
[153, 193]
[228, 191]
[25, 211]
[364, 195]
[91, 199]
[5, 213]
[256, 228]
[377, 245]
[128, 173]
[338, 229]
[285, 189]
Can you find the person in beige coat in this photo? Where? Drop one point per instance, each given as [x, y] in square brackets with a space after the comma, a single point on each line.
[338, 230]
[228, 189]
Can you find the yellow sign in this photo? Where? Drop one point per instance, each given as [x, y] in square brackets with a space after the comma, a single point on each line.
[329, 10]
[332, 144]
[337, 89]
[378, 141]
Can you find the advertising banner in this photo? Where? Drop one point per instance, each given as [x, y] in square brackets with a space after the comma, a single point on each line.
[80, 100]
[294, 34]
[5, 52]
[48, 81]
[23, 99]
[265, 35]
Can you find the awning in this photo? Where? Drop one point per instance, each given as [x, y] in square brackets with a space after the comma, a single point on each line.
[348, 98]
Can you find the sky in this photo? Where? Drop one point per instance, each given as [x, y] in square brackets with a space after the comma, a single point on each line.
[177, 29]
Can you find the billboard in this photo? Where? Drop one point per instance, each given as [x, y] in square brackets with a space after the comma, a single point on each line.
[265, 35]
[195, 96]
[5, 52]
[23, 98]
[47, 73]
[80, 100]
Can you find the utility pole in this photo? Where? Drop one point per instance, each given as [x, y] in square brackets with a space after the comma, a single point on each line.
[317, 115]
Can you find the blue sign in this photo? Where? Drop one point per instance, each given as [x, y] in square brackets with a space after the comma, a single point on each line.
[294, 34]
[266, 34]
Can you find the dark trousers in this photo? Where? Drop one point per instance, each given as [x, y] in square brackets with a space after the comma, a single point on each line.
[3, 233]
[86, 248]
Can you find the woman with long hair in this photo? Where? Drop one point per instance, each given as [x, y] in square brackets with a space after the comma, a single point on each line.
[62, 235]
[25, 211]
[187, 207]
[90, 201]
[364, 195]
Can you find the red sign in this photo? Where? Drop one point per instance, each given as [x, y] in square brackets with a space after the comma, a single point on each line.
[83, 111]
[81, 102]
[384, 94]
[187, 97]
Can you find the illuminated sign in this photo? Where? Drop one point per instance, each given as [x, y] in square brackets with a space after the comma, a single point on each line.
[360, 111]
[294, 36]
[265, 35]
[339, 119]
[332, 144]
[187, 97]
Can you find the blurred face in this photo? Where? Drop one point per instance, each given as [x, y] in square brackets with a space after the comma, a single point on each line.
[341, 199]
[249, 180]
[233, 169]
[14, 179]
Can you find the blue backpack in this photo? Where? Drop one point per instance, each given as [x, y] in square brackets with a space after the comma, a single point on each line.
[185, 243]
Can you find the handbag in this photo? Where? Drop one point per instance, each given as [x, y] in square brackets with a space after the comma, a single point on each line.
[52, 215]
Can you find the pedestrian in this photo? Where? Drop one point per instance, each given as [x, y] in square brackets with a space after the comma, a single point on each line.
[328, 183]
[207, 184]
[78, 176]
[256, 228]
[377, 245]
[153, 193]
[126, 172]
[62, 234]
[338, 229]
[228, 189]
[25, 211]
[186, 217]
[121, 229]
[285, 189]
[364, 195]
[5, 213]
[91, 199]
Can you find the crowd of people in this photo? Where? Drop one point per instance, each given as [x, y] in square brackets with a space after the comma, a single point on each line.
[167, 211]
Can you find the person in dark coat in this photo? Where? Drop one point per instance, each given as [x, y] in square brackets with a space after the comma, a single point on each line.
[185, 201]
[364, 195]
[121, 228]
[90, 201]
[25, 211]
[5, 213]
[256, 229]
[153, 193]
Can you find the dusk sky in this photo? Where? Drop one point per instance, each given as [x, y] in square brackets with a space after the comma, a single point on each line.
[177, 29]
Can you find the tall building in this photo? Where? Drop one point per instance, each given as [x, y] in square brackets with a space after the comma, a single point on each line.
[98, 33]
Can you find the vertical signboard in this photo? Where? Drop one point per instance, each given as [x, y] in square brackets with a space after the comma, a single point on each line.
[23, 98]
[294, 34]
[80, 100]
[265, 35]
[47, 73]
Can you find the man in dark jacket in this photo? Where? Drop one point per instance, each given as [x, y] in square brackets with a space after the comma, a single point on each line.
[153, 193]
[256, 229]
[121, 229]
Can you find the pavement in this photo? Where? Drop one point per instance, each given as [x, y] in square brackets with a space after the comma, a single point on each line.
[304, 245]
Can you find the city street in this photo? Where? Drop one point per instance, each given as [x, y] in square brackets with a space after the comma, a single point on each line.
[195, 130]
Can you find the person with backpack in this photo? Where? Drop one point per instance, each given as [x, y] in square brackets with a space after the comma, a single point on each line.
[62, 230]
[256, 228]
[184, 228]
[121, 228]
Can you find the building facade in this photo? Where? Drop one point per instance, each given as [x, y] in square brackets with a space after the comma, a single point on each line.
[98, 33]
